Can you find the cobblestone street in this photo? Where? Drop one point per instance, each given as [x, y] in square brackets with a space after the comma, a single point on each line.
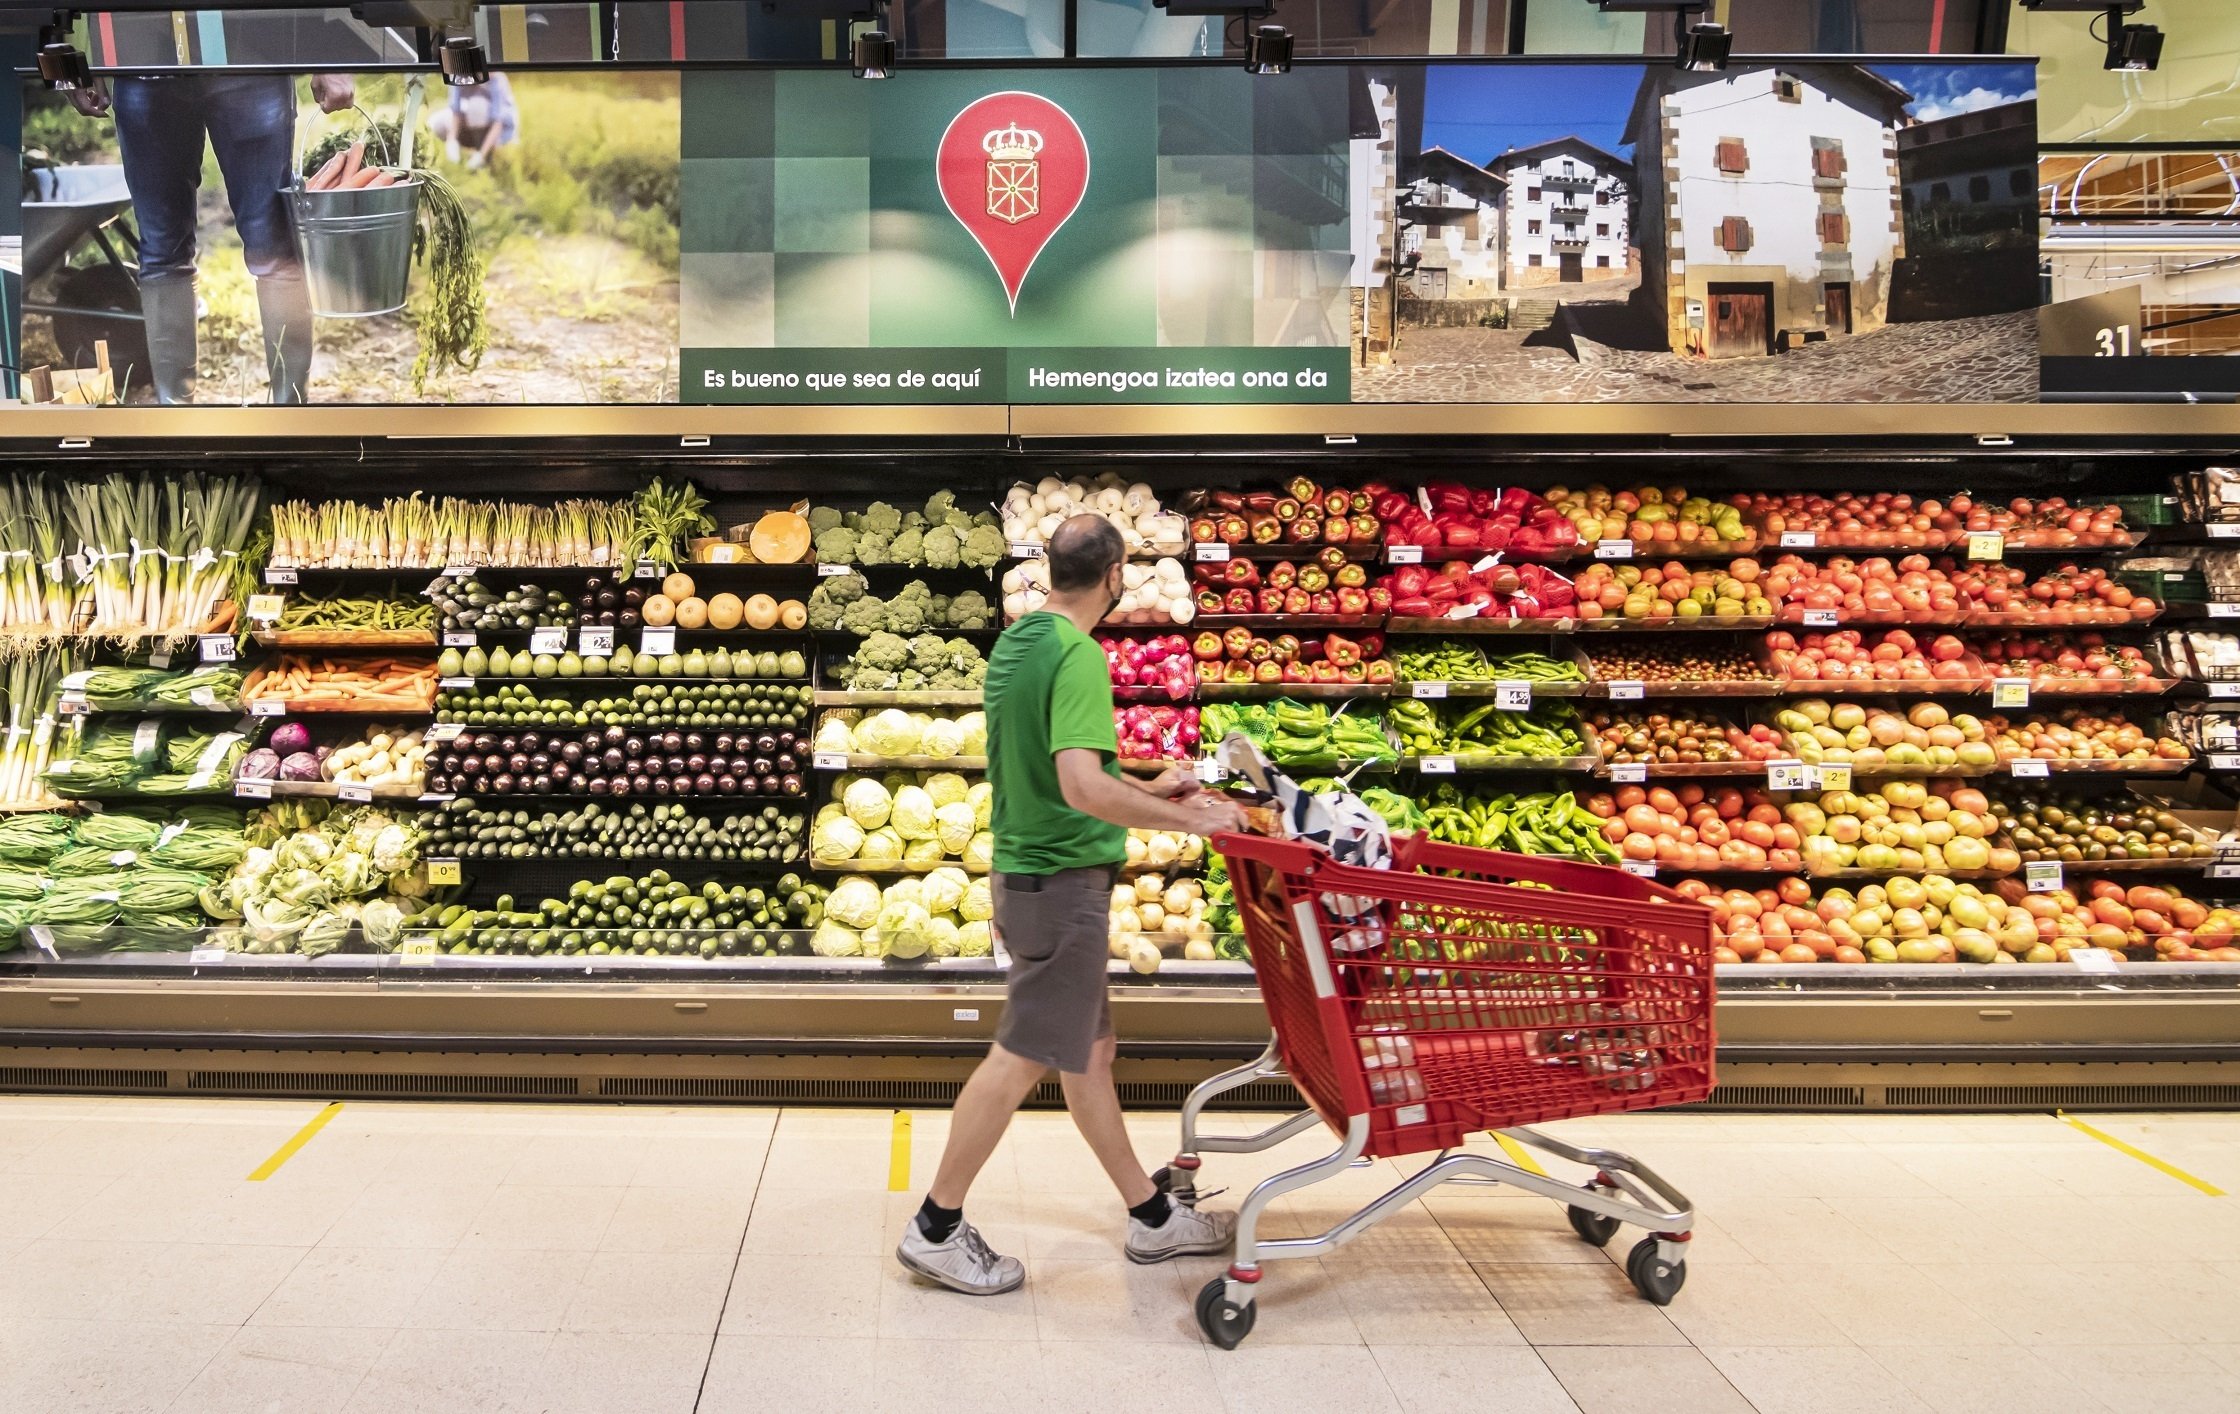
[1988, 360]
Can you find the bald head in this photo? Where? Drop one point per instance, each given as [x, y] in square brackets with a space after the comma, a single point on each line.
[1083, 552]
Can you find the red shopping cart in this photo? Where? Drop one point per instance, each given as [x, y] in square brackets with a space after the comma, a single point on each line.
[1459, 991]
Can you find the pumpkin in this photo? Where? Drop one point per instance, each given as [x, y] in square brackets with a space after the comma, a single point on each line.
[762, 611]
[678, 587]
[659, 610]
[725, 611]
[692, 613]
[780, 538]
[793, 614]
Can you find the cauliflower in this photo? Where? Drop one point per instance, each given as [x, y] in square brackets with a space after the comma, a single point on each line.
[840, 838]
[946, 787]
[954, 826]
[942, 739]
[867, 802]
[980, 852]
[913, 813]
[903, 930]
[892, 732]
[979, 904]
[925, 851]
[881, 846]
[836, 546]
[944, 889]
[975, 940]
[974, 726]
[853, 901]
[982, 799]
[836, 940]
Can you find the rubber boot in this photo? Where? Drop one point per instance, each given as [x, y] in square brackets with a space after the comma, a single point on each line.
[285, 307]
[168, 307]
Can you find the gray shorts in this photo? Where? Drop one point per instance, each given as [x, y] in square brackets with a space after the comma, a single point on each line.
[1057, 929]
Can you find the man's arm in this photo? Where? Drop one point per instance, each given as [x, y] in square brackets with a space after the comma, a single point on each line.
[1088, 789]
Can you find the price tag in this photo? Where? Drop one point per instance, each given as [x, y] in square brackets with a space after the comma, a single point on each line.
[1403, 554]
[646, 569]
[1427, 689]
[1613, 549]
[2224, 611]
[1645, 868]
[265, 608]
[1210, 772]
[279, 574]
[2229, 530]
[2010, 692]
[1435, 765]
[252, 790]
[417, 952]
[2095, 960]
[458, 571]
[2224, 871]
[825, 571]
[1790, 775]
[1209, 552]
[217, 648]
[596, 641]
[1987, 545]
[1631, 773]
[268, 707]
[660, 642]
[444, 871]
[458, 638]
[72, 704]
[1626, 690]
[1835, 778]
[160, 659]
[831, 760]
[355, 792]
[1511, 696]
[1820, 618]
[2224, 689]
[456, 684]
[1799, 539]
[205, 957]
[2042, 876]
[445, 731]
[2027, 768]
[2224, 760]
[548, 640]
[1027, 549]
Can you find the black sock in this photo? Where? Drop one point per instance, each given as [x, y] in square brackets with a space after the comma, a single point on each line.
[1154, 1210]
[939, 1224]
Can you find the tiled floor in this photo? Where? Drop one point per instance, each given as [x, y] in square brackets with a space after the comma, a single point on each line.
[495, 1259]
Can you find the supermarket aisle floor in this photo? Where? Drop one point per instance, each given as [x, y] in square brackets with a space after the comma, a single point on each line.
[493, 1258]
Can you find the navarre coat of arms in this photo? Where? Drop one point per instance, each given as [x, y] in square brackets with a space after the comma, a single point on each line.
[1014, 174]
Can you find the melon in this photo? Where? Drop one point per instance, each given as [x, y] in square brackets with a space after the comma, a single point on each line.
[780, 538]
[762, 612]
[725, 611]
[793, 614]
[678, 586]
[658, 611]
[692, 613]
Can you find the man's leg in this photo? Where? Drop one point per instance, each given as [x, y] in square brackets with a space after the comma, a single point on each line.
[252, 130]
[1095, 1106]
[999, 1085]
[159, 133]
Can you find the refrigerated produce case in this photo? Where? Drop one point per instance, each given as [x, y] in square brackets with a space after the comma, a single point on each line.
[1518, 715]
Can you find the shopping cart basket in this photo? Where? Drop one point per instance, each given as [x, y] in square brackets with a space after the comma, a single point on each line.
[1458, 991]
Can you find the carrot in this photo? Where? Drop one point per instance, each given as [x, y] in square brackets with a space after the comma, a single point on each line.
[325, 178]
[362, 179]
[386, 179]
[352, 160]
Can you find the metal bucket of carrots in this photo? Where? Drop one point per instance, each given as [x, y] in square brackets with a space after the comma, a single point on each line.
[354, 225]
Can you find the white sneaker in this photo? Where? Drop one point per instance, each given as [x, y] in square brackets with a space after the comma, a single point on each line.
[1186, 1232]
[964, 1263]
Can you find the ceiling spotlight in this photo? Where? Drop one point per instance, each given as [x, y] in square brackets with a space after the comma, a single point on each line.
[1702, 48]
[1267, 50]
[874, 55]
[2131, 47]
[464, 63]
[62, 66]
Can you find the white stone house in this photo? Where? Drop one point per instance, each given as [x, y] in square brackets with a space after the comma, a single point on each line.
[1769, 204]
[1567, 217]
[1451, 229]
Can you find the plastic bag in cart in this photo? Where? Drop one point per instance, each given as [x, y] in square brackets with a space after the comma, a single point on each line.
[1339, 821]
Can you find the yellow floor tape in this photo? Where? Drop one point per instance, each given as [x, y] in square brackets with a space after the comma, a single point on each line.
[898, 1155]
[288, 1150]
[2141, 1155]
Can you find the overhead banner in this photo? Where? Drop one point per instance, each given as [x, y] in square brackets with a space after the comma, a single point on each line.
[1619, 232]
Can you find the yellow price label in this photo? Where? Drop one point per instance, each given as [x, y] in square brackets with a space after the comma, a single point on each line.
[445, 871]
[1835, 778]
[417, 952]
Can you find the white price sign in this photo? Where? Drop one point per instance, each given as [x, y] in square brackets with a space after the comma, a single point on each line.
[548, 640]
[1630, 773]
[834, 571]
[2224, 689]
[2224, 610]
[2095, 960]
[646, 569]
[217, 648]
[2224, 871]
[458, 638]
[596, 641]
[1820, 618]
[445, 731]
[1627, 691]
[279, 574]
[1647, 869]
[252, 790]
[2229, 530]
[1435, 765]
[2042, 876]
[1790, 775]
[658, 641]
[2224, 760]
[1986, 545]
[268, 707]
[1210, 772]
[160, 659]
[1511, 696]
[2009, 693]
[831, 761]
[1427, 689]
[1026, 549]
[1403, 554]
[72, 704]
[1799, 539]
[354, 792]
[1209, 552]
[206, 957]
[458, 571]
[456, 684]
[2028, 768]
[1613, 549]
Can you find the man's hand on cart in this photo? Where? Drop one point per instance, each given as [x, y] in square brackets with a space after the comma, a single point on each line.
[1219, 814]
[1174, 783]
[333, 92]
[92, 100]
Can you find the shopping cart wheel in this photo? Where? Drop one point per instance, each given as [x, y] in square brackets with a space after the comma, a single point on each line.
[1592, 1227]
[1225, 1323]
[1657, 1280]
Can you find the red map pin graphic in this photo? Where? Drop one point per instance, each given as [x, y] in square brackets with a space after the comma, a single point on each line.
[1013, 167]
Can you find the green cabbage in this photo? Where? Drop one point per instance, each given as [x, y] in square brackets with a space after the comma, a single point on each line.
[978, 905]
[323, 934]
[953, 826]
[941, 935]
[835, 733]
[904, 930]
[913, 813]
[837, 838]
[974, 725]
[946, 787]
[982, 798]
[835, 940]
[944, 889]
[925, 851]
[905, 891]
[867, 802]
[974, 940]
[881, 846]
[383, 921]
[943, 737]
[892, 732]
[854, 901]
[980, 854]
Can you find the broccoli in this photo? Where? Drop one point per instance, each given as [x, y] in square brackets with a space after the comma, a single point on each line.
[908, 547]
[928, 652]
[872, 548]
[911, 680]
[914, 520]
[836, 546]
[880, 519]
[824, 612]
[824, 518]
[866, 615]
[939, 504]
[942, 548]
[962, 521]
[844, 588]
[983, 546]
[970, 609]
[937, 610]
[877, 659]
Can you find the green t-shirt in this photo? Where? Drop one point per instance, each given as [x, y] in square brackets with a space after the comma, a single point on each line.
[1048, 690]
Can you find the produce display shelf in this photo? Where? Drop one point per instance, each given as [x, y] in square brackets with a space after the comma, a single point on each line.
[741, 801]
[338, 640]
[795, 638]
[1705, 623]
[1302, 691]
[1153, 765]
[1489, 688]
[884, 866]
[1358, 550]
[322, 707]
[829, 697]
[844, 635]
[1474, 627]
[1481, 763]
[1331, 765]
[2194, 864]
[314, 790]
[467, 684]
[160, 709]
[864, 761]
[1285, 623]
[1730, 687]
[1683, 771]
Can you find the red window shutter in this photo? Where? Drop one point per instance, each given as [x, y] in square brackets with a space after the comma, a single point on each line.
[1734, 235]
[1828, 162]
[1733, 159]
[1834, 229]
